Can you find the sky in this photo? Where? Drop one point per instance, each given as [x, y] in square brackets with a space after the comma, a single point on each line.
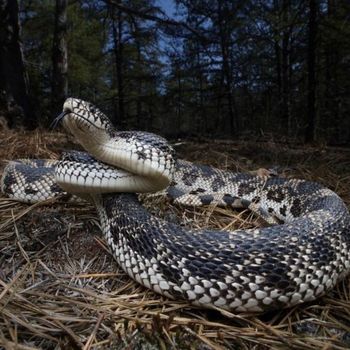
[168, 6]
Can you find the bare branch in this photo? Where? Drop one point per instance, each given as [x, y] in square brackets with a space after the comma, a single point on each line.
[165, 20]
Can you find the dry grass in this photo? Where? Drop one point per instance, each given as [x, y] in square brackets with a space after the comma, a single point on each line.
[61, 289]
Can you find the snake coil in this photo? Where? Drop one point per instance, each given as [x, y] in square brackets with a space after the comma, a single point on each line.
[243, 271]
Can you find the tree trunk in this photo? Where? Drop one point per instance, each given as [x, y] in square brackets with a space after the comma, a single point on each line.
[278, 57]
[278, 69]
[117, 24]
[12, 71]
[201, 115]
[59, 84]
[224, 45]
[331, 94]
[179, 102]
[311, 93]
[285, 67]
[140, 120]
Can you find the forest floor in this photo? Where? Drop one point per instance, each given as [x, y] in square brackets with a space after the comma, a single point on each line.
[61, 289]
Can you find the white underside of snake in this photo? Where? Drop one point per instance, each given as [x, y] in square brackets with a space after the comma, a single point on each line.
[243, 271]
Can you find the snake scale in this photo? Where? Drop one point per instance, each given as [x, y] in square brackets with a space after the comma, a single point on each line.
[298, 258]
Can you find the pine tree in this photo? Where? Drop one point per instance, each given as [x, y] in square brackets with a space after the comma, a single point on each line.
[13, 82]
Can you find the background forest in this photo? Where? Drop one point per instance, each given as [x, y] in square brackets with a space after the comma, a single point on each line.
[213, 68]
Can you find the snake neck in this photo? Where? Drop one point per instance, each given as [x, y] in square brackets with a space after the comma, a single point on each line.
[143, 154]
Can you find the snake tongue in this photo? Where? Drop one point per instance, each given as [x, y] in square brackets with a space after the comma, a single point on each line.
[58, 119]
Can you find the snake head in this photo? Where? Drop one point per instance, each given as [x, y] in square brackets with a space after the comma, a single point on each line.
[83, 113]
[140, 153]
[85, 122]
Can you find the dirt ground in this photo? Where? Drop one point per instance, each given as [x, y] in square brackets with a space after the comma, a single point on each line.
[61, 289]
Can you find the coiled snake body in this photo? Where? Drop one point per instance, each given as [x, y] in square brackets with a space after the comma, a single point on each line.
[243, 271]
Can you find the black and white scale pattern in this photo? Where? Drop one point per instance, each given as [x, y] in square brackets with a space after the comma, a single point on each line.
[31, 180]
[243, 271]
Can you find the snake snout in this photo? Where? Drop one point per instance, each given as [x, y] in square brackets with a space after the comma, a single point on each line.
[69, 104]
[68, 107]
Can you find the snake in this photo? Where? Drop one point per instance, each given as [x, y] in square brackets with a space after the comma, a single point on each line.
[300, 254]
